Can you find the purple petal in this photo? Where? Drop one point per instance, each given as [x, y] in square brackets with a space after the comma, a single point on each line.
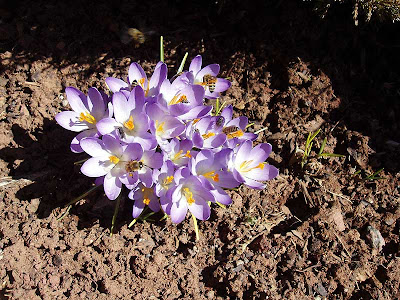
[113, 145]
[227, 113]
[221, 196]
[136, 73]
[136, 99]
[222, 85]
[107, 125]
[212, 70]
[159, 75]
[76, 99]
[96, 167]
[94, 147]
[254, 184]
[121, 106]
[153, 161]
[133, 151]
[195, 65]
[112, 186]
[75, 144]
[138, 205]
[115, 84]
[154, 205]
[70, 121]
[178, 211]
[227, 180]
[217, 140]
[261, 152]
[96, 101]
[268, 172]
[243, 153]
[200, 210]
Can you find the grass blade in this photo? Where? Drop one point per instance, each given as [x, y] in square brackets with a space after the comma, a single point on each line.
[162, 48]
[183, 63]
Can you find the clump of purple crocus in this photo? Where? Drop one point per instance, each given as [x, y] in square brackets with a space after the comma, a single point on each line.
[157, 138]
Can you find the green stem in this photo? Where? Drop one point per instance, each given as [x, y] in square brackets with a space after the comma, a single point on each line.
[132, 223]
[196, 228]
[115, 215]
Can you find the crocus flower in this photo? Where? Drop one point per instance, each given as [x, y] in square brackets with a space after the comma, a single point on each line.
[119, 164]
[137, 77]
[143, 195]
[235, 129]
[178, 151]
[86, 113]
[162, 125]
[207, 133]
[248, 165]
[213, 168]
[130, 119]
[185, 103]
[189, 193]
[164, 178]
[207, 77]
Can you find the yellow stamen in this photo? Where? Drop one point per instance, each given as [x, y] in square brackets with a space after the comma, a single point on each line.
[189, 196]
[176, 99]
[142, 81]
[212, 176]
[208, 135]
[167, 181]
[114, 159]
[188, 154]
[244, 166]
[195, 121]
[160, 127]
[232, 135]
[87, 118]
[129, 124]
[177, 155]
[147, 193]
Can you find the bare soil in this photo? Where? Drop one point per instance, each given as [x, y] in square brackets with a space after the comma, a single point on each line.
[324, 231]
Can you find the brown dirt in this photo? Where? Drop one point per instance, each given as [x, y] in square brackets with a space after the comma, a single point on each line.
[314, 233]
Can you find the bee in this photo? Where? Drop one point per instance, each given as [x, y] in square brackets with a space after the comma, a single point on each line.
[133, 166]
[230, 129]
[133, 34]
[210, 81]
[220, 121]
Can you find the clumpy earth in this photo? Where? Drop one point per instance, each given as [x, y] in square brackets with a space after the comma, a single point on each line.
[329, 230]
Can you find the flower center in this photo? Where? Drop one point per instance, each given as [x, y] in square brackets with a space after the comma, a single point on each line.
[176, 99]
[87, 118]
[160, 127]
[189, 196]
[167, 181]
[180, 155]
[114, 159]
[235, 134]
[212, 175]
[208, 135]
[244, 166]
[147, 193]
[129, 124]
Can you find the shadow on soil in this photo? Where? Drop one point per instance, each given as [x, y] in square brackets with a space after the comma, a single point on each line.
[44, 160]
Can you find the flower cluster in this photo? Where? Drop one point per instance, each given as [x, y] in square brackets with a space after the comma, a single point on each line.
[157, 138]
